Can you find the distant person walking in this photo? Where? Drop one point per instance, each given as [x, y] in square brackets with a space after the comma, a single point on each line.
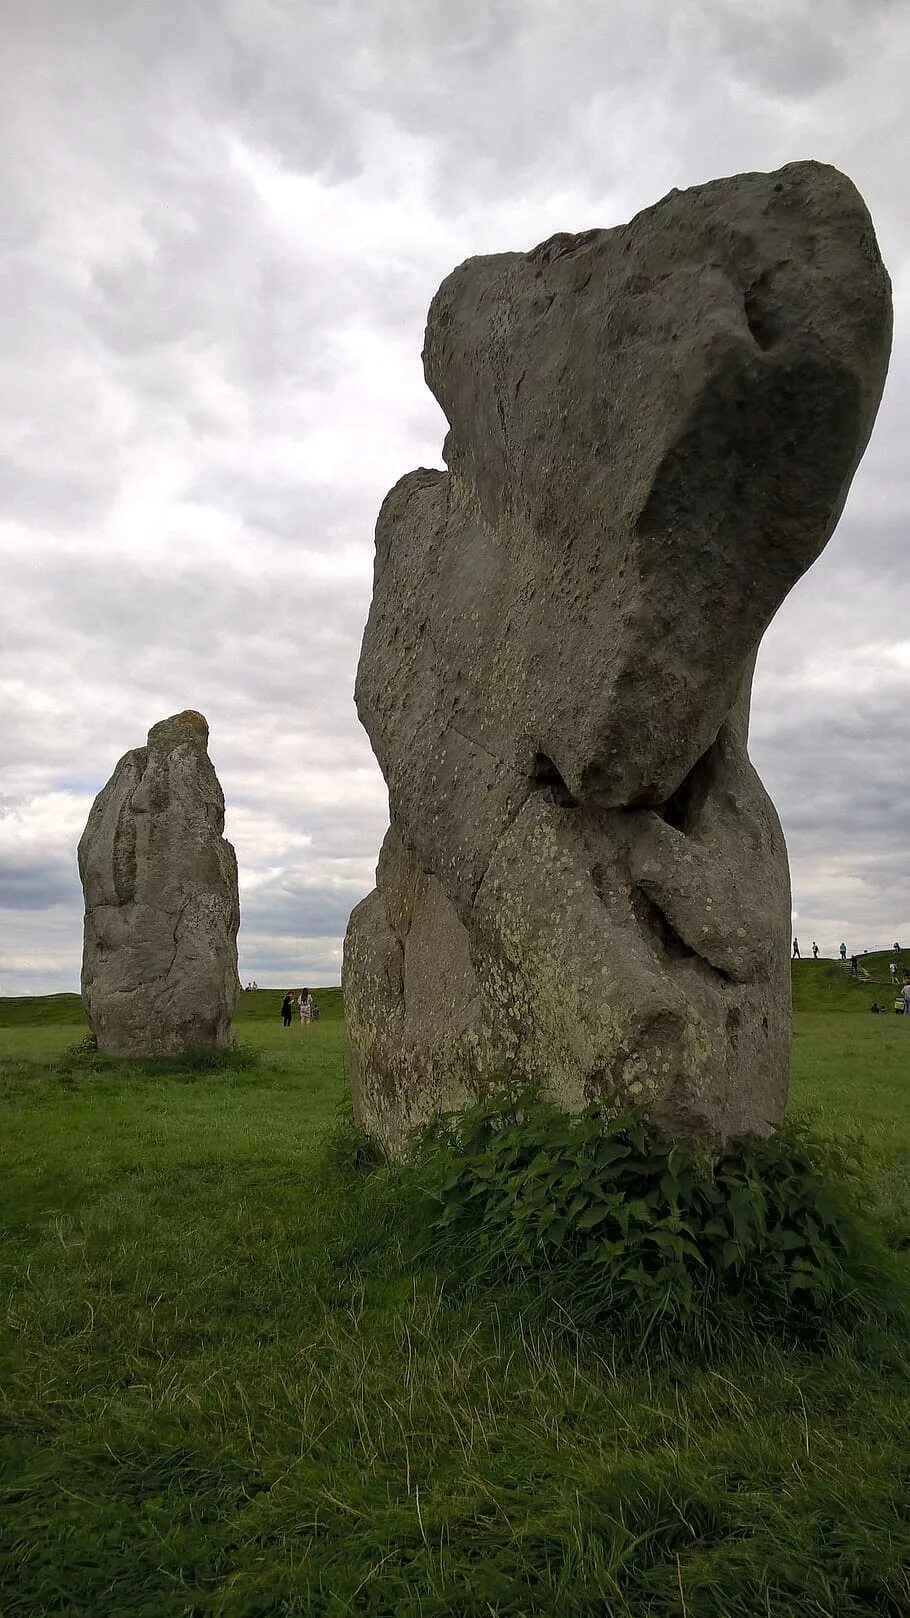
[287, 1009]
[854, 967]
[796, 949]
[843, 952]
[814, 950]
[892, 970]
[305, 1003]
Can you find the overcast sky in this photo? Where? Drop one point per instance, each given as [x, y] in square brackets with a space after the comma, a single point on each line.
[222, 223]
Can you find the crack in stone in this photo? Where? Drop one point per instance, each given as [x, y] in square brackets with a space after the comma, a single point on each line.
[482, 746]
[180, 915]
[662, 930]
[507, 827]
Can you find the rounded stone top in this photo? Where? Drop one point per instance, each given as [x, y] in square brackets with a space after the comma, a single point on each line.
[180, 726]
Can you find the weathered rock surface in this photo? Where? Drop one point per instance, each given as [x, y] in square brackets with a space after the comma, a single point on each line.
[159, 965]
[653, 431]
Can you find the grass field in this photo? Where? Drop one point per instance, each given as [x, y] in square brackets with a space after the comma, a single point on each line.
[226, 1390]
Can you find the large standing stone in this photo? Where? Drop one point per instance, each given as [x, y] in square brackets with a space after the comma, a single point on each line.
[159, 965]
[653, 431]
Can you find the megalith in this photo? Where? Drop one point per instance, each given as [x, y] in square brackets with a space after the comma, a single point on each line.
[159, 963]
[653, 429]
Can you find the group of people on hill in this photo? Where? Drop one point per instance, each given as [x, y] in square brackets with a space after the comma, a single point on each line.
[900, 979]
[897, 971]
[306, 1005]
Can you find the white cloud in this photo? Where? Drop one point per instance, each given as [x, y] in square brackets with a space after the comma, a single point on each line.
[222, 229]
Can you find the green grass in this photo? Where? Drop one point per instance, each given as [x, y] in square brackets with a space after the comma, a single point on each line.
[226, 1391]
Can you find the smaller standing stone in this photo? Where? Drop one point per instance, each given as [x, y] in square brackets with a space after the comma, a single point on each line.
[159, 963]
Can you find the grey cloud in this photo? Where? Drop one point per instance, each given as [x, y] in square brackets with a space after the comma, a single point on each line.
[835, 764]
[786, 48]
[48, 497]
[37, 884]
[298, 908]
[313, 961]
[808, 760]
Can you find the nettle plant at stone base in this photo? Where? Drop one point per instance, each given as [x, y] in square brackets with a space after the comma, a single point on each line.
[597, 1211]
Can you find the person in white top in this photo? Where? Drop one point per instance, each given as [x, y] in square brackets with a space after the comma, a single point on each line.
[305, 1002]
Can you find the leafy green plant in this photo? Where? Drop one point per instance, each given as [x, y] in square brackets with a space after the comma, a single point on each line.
[80, 1048]
[597, 1209]
[346, 1150]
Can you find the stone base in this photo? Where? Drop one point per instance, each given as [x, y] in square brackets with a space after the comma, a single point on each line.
[606, 953]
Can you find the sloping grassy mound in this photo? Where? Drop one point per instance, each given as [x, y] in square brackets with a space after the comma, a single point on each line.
[822, 985]
[41, 1010]
[825, 985]
[264, 1005]
[57, 1010]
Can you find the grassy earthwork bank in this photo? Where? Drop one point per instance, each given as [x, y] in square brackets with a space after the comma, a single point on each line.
[230, 1388]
